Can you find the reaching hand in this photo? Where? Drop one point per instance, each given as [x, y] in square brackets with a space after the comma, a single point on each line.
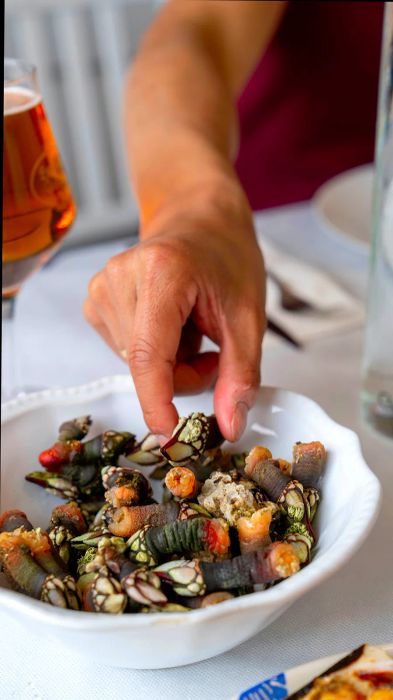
[196, 272]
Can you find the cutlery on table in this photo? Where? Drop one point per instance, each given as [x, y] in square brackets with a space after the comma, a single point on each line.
[289, 300]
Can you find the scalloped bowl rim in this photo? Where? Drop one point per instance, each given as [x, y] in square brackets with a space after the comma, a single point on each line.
[284, 594]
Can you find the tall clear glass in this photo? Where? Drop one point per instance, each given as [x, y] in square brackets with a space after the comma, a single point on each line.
[377, 387]
[38, 206]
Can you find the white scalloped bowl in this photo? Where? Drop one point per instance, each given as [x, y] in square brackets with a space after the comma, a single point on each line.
[350, 500]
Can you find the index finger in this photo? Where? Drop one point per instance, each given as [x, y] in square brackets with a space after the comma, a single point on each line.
[152, 355]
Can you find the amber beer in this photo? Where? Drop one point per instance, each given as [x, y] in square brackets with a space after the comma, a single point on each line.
[38, 207]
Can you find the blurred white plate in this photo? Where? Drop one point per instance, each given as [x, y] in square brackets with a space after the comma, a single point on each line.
[343, 205]
[287, 682]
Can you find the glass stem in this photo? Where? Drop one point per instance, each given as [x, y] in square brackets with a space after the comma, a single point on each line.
[9, 378]
[8, 308]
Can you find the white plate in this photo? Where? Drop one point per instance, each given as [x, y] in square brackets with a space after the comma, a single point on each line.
[350, 502]
[287, 682]
[343, 205]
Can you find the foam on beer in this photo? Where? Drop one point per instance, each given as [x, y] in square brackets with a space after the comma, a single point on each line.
[19, 99]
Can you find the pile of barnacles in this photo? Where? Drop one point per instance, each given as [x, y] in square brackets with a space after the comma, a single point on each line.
[228, 524]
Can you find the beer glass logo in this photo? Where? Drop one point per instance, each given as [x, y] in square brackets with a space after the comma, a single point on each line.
[47, 181]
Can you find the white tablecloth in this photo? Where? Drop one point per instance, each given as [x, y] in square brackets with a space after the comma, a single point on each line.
[55, 347]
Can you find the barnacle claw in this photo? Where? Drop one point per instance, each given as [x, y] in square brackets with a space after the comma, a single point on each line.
[88, 539]
[292, 501]
[52, 483]
[71, 592]
[312, 498]
[144, 587]
[169, 607]
[184, 576]
[139, 550]
[300, 538]
[54, 592]
[191, 437]
[103, 593]
[85, 559]
[189, 510]
[146, 453]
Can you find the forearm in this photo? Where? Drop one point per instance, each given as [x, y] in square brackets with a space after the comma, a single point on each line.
[181, 121]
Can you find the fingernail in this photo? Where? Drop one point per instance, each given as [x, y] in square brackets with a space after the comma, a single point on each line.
[239, 420]
[162, 439]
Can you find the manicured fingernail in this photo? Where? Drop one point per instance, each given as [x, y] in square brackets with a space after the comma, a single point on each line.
[239, 420]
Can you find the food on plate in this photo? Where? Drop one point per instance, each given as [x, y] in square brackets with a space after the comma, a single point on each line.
[367, 672]
[228, 524]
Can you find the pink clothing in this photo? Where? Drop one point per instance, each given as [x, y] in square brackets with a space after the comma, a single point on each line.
[309, 109]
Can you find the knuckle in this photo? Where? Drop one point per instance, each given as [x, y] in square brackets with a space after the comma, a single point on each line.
[248, 380]
[96, 286]
[115, 267]
[163, 257]
[88, 312]
[150, 416]
[253, 315]
[156, 260]
[140, 355]
[251, 376]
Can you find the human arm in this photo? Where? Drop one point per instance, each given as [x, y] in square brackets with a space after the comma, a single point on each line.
[197, 270]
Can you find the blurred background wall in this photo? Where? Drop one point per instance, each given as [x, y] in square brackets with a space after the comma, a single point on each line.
[82, 49]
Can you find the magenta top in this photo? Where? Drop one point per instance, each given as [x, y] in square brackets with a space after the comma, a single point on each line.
[309, 110]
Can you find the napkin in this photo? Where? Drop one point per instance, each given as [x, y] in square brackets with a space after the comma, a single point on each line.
[333, 309]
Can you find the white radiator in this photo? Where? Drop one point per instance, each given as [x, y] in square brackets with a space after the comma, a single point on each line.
[81, 49]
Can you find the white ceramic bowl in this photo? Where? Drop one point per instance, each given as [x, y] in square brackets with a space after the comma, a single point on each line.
[350, 499]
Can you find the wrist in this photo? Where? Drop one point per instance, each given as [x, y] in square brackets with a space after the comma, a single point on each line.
[213, 202]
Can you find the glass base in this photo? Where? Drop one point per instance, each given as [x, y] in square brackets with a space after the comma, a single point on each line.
[377, 400]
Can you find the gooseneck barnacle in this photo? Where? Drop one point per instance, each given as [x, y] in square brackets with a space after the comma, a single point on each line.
[228, 524]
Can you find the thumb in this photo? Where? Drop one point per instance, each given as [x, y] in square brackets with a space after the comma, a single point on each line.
[239, 372]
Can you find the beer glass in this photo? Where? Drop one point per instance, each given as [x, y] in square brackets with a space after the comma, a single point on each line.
[38, 207]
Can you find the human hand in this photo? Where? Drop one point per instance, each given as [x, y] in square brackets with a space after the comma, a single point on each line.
[197, 271]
